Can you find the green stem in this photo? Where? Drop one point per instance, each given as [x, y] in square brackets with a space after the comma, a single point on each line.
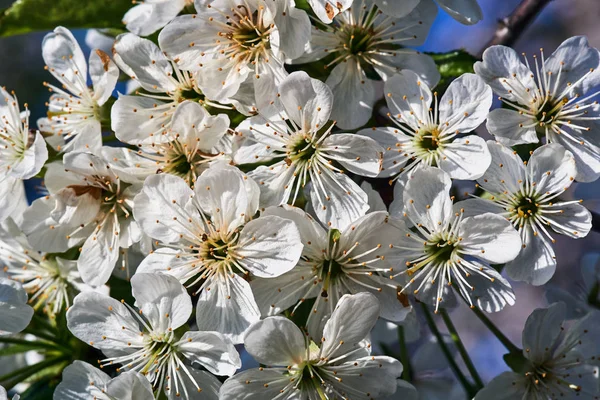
[14, 377]
[451, 361]
[32, 344]
[404, 358]
[461, 349]
[494, 329]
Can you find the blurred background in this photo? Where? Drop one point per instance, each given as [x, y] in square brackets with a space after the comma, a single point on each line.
[22, 70]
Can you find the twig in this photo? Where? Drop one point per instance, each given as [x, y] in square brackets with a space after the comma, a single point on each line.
[497, 332]
[511, 27]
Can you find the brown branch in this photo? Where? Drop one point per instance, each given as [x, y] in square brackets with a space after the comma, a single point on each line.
[511, 27]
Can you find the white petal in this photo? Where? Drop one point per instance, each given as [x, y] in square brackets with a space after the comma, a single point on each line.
[274, 295]
[375, 201]
[13, 201]
[104, 74]
[163, 198]
[307, 101]
[505, 171]
[353, 95]
[208, 384]
[573, 220]
[228, 196]
[347, 201]
[15, 314]
[158, 295]
[396, 8]
[228, 307]
[489, 237]
[427, 197]
[536, 262]
[94, 316]
[466, 158]
[413, 108]
[587, 159]
[212, 350]
[511, 127]
[492, 295]
[466, 12]
[552, 168]
[506, 386]
[469, 98]
[294, 27]
[99, 254]
[541, 332]
[255, 384]
[196, 128]
[392, 140]
[32, 160]
[275, 341]
[134, 120]
[422, 64]
[310, 230]
[130, 386]
[269, 246]
[352, 320]
[65, 60]
[499, 65]
[143, 61]
[574, 58]
[77, 379]
[146, 18]
[275, 183]
[372, 376]
[358, 154]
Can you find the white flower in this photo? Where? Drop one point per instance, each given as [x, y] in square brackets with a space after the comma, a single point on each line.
[527, 197]
[357, 258]
[559, 362]
[22, 153]
[74, 119]
[81, 381]
[195, 141]
[150, 15]
[446, 249]
[15, 314]
[552, 103]
[425, 132]
[145, 341]
[364, 42]
[51, 281]
[90, 204]
[210, 242]
[148, 117]
[13, 200]
[339, 367]
[305, 151]
[466, 12]
[235, 41]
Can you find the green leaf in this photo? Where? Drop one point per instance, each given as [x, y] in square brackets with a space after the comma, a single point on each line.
[452, 65]
[25, 16]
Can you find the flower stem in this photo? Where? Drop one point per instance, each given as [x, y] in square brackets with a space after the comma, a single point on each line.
[461, 349]
[494, 329]
[471, 391]
[407, 371]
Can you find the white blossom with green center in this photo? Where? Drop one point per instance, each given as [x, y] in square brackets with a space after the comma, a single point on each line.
[558, 361]
[549, 100]
[356, 258]
[338, 366]
[428, 132]
[146, 340]
[363, 41]
[73, 122]
[51, 282]
[302, 149]
[528, 195]
[210, 240]
[233, 43]
[88, 205]
[442, 248]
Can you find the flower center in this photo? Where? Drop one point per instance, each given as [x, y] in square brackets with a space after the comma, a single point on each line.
[302, 150]
[248, 36]
[179, 166]
[548, 112]
[428, 139]
[442, 250]
[186, 93]
[330, 272]
[356, 39]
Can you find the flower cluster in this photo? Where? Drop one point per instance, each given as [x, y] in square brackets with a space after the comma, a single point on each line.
[241, 203]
